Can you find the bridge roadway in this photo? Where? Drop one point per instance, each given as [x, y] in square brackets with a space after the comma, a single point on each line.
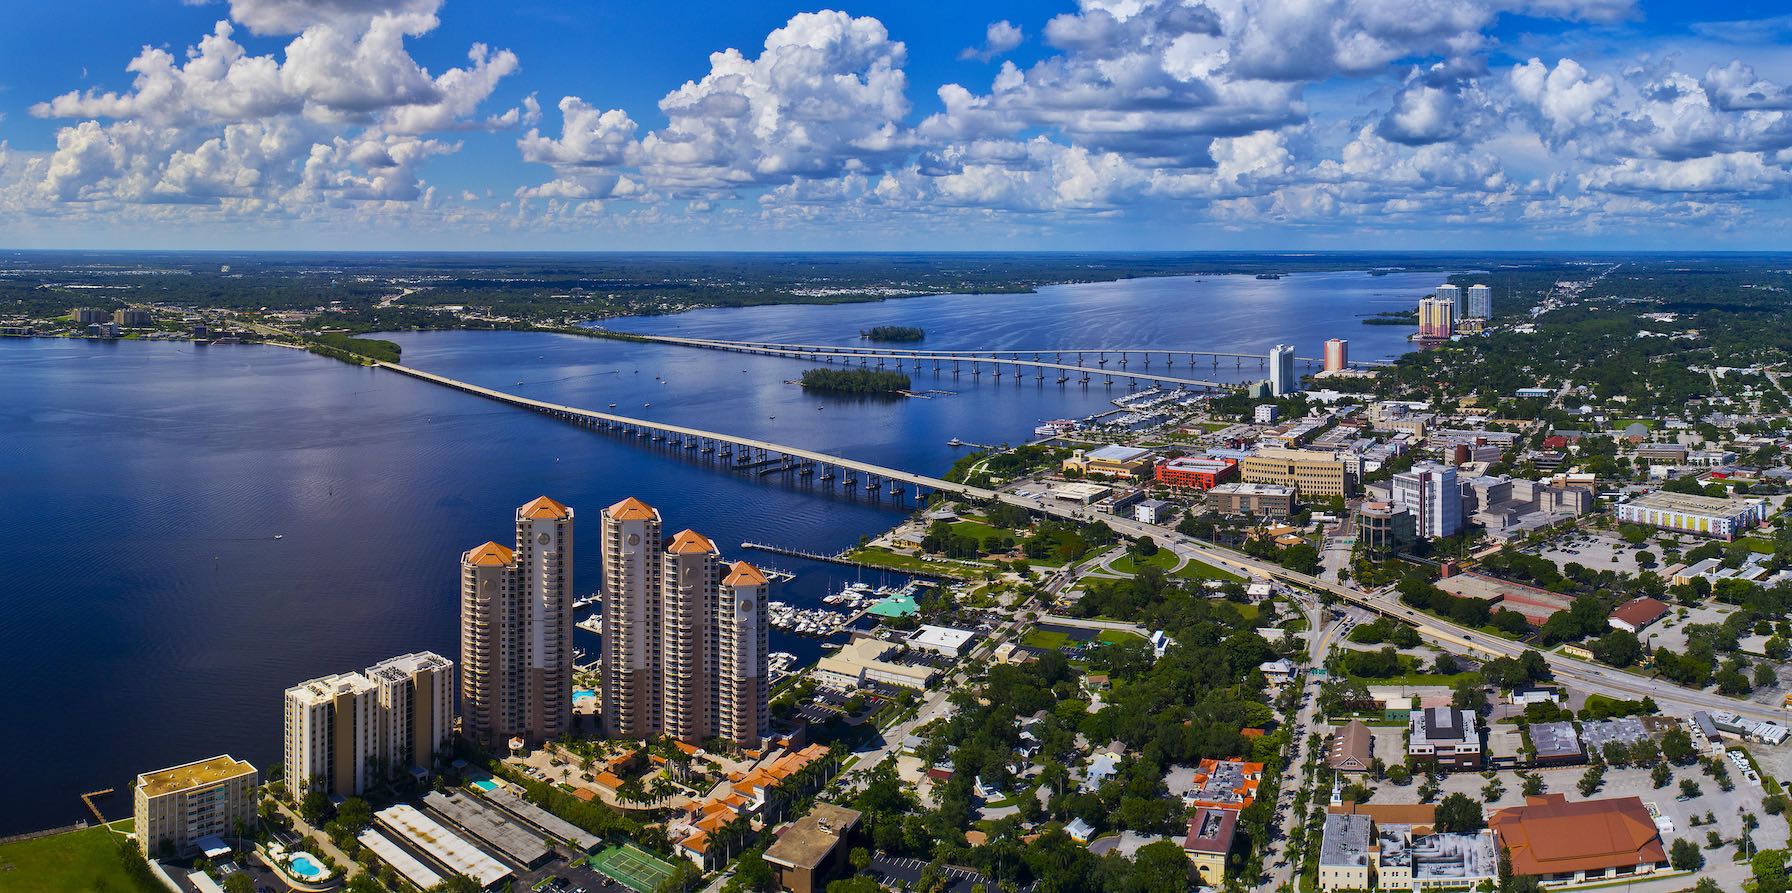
[831, 354]
[706, 441]
[1169, 354]
[1571, 672]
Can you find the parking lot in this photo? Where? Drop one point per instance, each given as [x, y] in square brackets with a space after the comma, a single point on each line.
[1599, 551]
[1725, 808]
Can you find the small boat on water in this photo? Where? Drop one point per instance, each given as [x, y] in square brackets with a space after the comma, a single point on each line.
[279, 536]
[612, 406]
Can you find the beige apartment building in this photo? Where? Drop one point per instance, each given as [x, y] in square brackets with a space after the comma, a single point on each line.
[516, 631]
[178, 807]
[742, 684]
[1309, 472]
[544, 579]
[415, 717]
[689, 579]
[348, 732]
[630, 694]
[684, 634]
[492, 657]
[332, 735]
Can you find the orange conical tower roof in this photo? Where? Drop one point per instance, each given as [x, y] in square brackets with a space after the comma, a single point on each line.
[544, 509]
[631, 509]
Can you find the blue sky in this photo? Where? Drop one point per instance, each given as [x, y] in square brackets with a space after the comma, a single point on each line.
[1112, 124]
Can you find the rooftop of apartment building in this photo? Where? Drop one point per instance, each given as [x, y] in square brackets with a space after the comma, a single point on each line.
[192, 775]
[395, 669]
[326, 688]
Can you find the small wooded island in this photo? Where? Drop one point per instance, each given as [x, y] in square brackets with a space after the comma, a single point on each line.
[892, 333]
[1392, 318]
[855, 381]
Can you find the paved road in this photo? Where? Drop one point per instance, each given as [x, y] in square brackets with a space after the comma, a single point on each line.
[1583, 675]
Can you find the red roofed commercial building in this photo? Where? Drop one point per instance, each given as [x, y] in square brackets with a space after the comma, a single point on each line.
[1637, 614]
[1196, 473]
[1560, 842]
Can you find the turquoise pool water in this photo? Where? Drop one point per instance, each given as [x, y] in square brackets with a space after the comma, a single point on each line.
[486, 784]
[579, 694]
[307, 868]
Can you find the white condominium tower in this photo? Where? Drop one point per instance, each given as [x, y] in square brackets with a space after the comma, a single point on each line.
[348, 732]
[1282, 380]
[1453, 294]
[332, 735]
[742, 684]
[1480, 302]
[630, 694]
[691, 574]
[684, 634]
[516, 631]
[544, 581]
[415, 719]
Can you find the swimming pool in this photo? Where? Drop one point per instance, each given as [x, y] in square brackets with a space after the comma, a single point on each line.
[486, 785]
[580, 694]
[306, 868]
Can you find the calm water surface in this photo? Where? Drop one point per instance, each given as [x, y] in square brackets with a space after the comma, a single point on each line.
[152, 617]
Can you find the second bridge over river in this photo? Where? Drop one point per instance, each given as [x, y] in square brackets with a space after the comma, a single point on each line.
[1082, 364]
[745, 454]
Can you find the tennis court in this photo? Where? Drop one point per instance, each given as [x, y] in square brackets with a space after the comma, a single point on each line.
[632, 867]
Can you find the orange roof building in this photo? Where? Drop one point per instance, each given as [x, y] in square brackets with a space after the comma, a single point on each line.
[1226, 784]
[743, 797]
[690, 542]
[742, 574]
[541, 508]
[489, 555]
[1559, 841]
[632, 509]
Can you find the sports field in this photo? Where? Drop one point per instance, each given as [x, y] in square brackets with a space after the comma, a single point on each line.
[632, 867]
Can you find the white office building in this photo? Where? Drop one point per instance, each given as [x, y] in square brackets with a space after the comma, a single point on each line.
[1453, 294]
[1282, 379]
[1431, 493]
[1480, 302]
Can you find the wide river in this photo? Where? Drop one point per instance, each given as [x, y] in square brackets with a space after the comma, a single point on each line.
[154, 618]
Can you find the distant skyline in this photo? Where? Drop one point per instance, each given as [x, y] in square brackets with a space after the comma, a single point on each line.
[1100, 125]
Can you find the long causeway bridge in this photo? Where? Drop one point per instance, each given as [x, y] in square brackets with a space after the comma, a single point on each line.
[745, 454]
[1133, 363]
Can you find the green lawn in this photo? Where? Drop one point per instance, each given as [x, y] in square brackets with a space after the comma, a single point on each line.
[1196, 569]
[1163, 560]
[885, 558]
[79, 860]
[1116, 636]
[1619, 425]
[1044, 638]
[978, 530]
[1246, 610]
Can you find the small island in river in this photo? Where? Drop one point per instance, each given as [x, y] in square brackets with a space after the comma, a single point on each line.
[855, 381]
[892, 333]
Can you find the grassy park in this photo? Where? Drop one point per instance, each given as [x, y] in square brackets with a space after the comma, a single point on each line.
[88, 860]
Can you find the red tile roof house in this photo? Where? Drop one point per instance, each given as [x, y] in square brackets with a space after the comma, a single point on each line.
[1637, 614]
